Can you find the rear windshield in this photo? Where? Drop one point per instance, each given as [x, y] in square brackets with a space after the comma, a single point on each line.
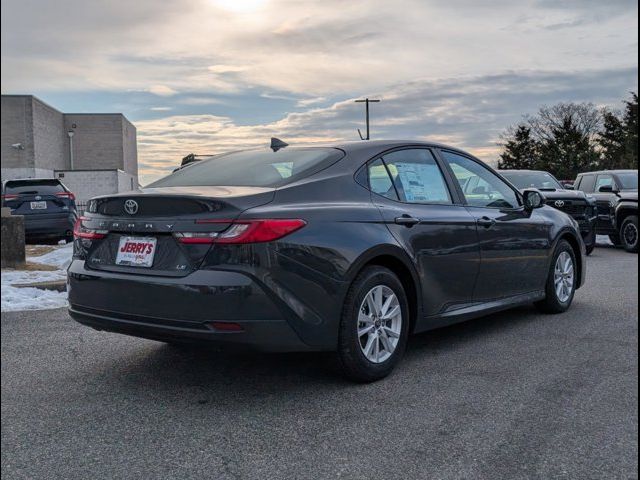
[539, 180]
[253, 168]
[36, 187]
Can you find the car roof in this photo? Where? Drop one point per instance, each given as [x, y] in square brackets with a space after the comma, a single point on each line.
[609, 171]
[523, 171]
[374, 147]
[359, 145]
[31, 180]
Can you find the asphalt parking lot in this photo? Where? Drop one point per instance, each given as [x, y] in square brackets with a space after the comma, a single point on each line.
[512, 396]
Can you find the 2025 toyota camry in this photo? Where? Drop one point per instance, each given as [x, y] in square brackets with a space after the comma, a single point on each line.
[348, 248]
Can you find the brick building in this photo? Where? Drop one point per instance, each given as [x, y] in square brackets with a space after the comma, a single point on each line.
[92, 153]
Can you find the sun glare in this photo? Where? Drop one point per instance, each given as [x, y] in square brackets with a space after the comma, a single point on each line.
[240, 6]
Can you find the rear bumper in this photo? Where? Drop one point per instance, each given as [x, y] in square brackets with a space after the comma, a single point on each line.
[183, 309]
[48, 224]
[263, 335]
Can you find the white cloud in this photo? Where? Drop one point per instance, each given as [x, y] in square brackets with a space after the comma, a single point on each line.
[469, 113]
[306, 102]
[226, 68]
[304, 48]
[162, 90]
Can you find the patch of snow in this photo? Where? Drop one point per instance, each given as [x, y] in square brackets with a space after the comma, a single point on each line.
[12, 277]
[31, 298]
[603, 240]
[14, 299]
[59, 257]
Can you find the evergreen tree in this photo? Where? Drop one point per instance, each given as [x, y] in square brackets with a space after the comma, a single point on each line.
[568, 151]
[520, 149]
[612, 140]
[630, 121]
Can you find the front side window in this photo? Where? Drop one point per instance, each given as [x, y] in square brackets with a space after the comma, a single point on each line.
[604, 181]
[416, 177]
[480, 186]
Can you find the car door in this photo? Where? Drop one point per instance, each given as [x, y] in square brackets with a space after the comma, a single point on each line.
[429, 221]
[604, 200]
[514, 243]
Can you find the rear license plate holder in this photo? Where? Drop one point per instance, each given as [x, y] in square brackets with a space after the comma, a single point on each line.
[136, 251]
[38, 205]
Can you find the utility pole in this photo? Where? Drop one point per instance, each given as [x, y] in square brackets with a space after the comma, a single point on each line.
[366, 103]
[71, 133]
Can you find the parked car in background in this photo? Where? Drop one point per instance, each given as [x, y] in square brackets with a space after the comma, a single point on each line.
[574, 203]
[48, 207]
[348, 248]
[616, 192]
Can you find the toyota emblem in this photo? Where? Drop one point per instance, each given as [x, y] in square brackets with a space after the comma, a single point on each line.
[559, 203]
[131, 207]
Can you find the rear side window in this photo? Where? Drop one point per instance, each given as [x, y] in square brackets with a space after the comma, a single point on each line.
[587, 183]
[380, 181]
[33, 187]
[253, 168]
[415, 177]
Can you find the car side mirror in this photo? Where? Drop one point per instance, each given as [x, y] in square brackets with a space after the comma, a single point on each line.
[607, 189]
[532, 199]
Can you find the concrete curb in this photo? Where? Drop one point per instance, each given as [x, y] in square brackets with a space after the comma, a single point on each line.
[59, 286]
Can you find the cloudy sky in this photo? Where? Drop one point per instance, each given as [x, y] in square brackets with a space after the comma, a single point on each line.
[205, 76]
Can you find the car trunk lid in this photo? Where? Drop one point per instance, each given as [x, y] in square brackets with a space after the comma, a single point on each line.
[155, 216]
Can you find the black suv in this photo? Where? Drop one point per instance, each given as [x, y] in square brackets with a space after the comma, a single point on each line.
[49, 208]
[616, 192]
[576, 204]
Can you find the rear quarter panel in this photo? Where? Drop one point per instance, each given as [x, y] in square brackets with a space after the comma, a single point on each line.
[307, 273]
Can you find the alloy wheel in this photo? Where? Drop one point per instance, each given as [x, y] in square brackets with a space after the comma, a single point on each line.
[379, 324]
[563, 277]
[630, 234]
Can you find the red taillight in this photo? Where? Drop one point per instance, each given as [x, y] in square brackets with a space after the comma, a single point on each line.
[9, 196]
[195, 238]
[245, 231]
[256, 231]
[68, 195]
[79, 231]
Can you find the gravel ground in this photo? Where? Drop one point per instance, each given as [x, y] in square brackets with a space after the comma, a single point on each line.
[512, 396]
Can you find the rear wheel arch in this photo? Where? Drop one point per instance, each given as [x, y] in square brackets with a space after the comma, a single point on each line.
[623, 212]
[394, 260]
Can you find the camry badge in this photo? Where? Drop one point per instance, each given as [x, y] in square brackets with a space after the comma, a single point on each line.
[559, 203]
[131, 207]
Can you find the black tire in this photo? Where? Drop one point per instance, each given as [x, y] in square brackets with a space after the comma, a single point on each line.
[590, 241]
[591, 248]
[355, 364]
[615, 239]
[551, 303]
[629, 233]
